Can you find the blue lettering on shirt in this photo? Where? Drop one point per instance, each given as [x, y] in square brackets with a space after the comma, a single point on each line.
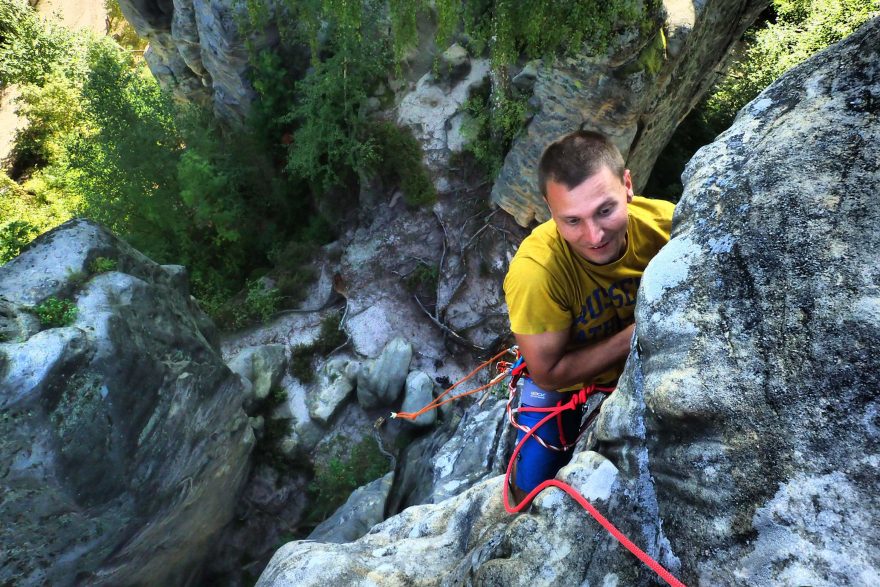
[620, 294]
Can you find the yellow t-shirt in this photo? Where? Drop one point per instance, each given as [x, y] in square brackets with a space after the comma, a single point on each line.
[550, 288]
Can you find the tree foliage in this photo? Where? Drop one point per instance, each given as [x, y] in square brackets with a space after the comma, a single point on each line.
[30, 47]
[797, 30]
[111, 145]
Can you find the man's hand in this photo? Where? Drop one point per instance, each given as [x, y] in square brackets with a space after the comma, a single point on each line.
[552, 367]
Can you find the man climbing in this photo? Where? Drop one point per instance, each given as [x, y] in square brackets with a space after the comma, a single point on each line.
[571, 287]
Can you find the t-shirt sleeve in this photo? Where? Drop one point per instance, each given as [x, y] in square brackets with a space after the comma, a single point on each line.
[533, 300]
[664, 216]
[661, 212]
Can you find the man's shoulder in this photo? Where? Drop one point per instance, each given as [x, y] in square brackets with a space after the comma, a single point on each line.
[651, 210]
[543, 244]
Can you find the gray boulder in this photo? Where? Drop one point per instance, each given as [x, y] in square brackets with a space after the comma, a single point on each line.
[364, 509]
[381, 380]
[263, 366]
[476, 452]
[742, 445]
[122, 437]
[336, 381]
[636, 93]
[418, 393]
[454, 63]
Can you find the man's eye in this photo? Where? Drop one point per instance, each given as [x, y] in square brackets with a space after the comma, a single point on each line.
[604, 211]
[571, 221]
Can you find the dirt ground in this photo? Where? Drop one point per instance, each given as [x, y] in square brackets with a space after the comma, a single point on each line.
[75, 15]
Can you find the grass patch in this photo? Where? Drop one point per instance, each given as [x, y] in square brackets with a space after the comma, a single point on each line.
[338, 476]
[53, 312]
[329, 338]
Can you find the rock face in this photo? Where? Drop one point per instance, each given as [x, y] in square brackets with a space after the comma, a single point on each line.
[636, 94]
[432, 109]
[758, 327]
[742, 446]
[196, 51]
[122, 437]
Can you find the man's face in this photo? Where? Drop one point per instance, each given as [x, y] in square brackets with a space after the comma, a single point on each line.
[592, 216]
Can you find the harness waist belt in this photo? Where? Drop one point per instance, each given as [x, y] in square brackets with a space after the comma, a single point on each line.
[537, 397]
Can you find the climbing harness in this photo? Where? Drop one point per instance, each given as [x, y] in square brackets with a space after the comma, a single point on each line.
[518, 370]
[515, 371]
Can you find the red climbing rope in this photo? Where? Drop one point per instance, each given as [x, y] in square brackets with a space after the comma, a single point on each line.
[511, 412]
[577, 399]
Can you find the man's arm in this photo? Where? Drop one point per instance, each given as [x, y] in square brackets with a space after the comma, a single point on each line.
[552, 367]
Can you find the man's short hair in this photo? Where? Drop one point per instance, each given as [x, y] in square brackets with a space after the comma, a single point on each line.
[577, 156]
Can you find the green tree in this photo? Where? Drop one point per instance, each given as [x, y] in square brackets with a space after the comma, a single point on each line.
[54, 111]
[126, 167]
[800, 29]
[30, 48]
[332, 140]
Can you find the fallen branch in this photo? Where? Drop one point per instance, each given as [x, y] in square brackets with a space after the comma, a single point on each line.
[456, 337]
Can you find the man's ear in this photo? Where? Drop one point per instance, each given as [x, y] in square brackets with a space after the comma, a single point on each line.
[628, 184]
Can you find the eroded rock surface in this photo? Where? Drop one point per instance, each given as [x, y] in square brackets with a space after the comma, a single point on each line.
[122, 439]
[742, 446]
[196, 51]
[364, 509]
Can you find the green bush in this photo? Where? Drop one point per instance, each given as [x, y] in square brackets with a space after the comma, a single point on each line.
[14, 236]
[400, 160]
[25, 215]
[54, 312]
[102, 265]
[341, 474]
[330, 337]
[489, 132]
[261, 301]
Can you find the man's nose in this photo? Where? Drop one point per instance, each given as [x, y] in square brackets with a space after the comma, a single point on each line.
[593, 233]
